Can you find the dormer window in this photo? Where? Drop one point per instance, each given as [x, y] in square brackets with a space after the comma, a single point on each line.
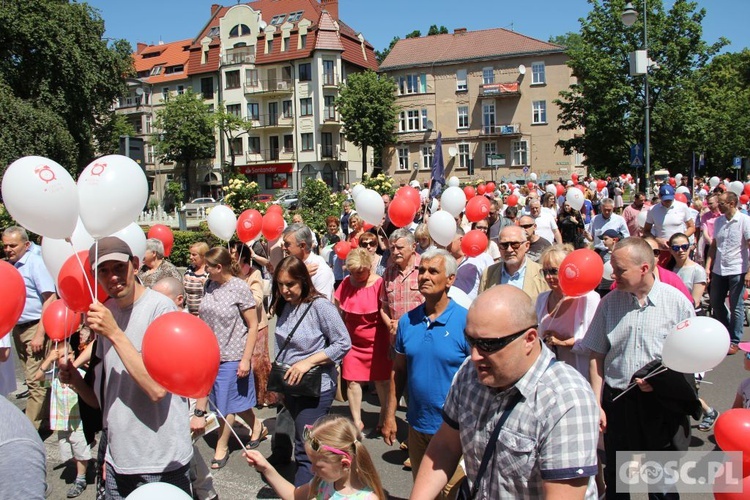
[156, 70]
[295, 16]
[276, 20]
[213, 32]
[239, 30]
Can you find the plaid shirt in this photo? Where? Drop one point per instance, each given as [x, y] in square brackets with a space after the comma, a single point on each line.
[64, 414]
[550, 435]
[400, 293]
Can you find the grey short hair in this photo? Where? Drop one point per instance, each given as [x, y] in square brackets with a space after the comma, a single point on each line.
[170, 286]
[402, 233]
[156, 246]
[451, 266]
[608, 201]
[21, 232]
[301, 233]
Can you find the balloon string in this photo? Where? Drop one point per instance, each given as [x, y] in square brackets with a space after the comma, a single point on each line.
[226, 423]
[96, 269]
[83, 269]
[658, 371]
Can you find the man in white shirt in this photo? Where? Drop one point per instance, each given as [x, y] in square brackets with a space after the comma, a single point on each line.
[298, 241]
[546, 225]
[607, 219]
[667, 218]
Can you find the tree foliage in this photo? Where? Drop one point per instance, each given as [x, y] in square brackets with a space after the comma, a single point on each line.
[367, 104]
[434, 30]
[316, 202]
[108, 135]
[228, 125]
[187, 135]
[607, 104]
[58, 73]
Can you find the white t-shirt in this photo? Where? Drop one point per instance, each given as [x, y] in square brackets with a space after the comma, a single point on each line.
[668, 221]
[546, 225]
[323, 279]
[7, 370]
[732, 254]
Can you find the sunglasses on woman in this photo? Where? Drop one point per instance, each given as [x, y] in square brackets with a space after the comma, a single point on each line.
[494, 345]
[368, 243]
[684, 248]
[552, 271]
[316, 445]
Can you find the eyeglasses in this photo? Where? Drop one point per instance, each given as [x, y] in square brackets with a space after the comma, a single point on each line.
[368, 243]
[494, 345]
[677, 248]
[317, 445]
[552, 271]
[515, 244]
[526, 226]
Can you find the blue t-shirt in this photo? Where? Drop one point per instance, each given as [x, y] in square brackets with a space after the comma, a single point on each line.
[434, 352]
[587, 209]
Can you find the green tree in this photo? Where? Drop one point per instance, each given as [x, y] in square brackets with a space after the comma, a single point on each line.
[187, 133]
[607, 104]
[367, 104]
[229, 124]
[316, 202]
[434, 30]
[55, 61]
[108, 135]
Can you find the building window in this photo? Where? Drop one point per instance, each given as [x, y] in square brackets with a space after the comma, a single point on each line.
[342, 141]
[305, 106]
[307, 142]
[537, 73]
[488, 117]
[239, 30]
[234, 109]
[232, 79]
[287, 110]
[412, 84]
[288, 143]
[403, 158]
[426, 157]
[207, 87]
[463, 156]
[251, 77]
[165, 93]
[180, 89]
[305, 72]
[520, 153]
[237, 145]
[269, 46]
[424, 120]
[278, 181]
[156, 70]
[329, 73]
[148, 124]
[539, 112]
[329, 110]
[253, 145]
[177, 68]
[276, 20]
[490, 148]
[295, 16]
[488, 75]
[461, 80]
[253, 111]
[463, 117]
[412, 119]
[302, 41]
[285, 44]
[326, 146]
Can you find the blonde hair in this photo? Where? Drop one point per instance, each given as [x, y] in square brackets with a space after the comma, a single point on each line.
[560, 250]
[422, 232]
[340, 433]
[358, 258]
[200, 247]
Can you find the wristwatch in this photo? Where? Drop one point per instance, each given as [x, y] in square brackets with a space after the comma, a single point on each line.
[199, 413]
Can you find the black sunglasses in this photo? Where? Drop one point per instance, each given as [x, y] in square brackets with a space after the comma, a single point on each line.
[684, 248]
[368, 243]
[552, 271]
[526, 226]
[514, 244]
[494, 345]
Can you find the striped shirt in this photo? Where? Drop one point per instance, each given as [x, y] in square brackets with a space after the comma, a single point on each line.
[193, 283]
[631, 336]
[401, 289]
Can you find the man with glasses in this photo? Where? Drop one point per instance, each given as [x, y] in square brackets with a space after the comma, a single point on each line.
[514, 267]
[537, 244]
[298, 242]
[607, 219]
[627, 333]
[546, 446]
[430, 347]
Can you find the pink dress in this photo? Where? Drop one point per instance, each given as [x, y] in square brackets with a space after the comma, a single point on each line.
[368, 358]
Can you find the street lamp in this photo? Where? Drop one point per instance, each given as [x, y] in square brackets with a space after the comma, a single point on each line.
[629, 16]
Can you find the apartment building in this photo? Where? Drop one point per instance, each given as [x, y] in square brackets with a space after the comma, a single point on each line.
[490, 93]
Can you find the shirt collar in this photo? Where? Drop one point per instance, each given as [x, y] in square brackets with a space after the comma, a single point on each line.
[444, 317]
[22, 261]
[526, 385]
[518, 273]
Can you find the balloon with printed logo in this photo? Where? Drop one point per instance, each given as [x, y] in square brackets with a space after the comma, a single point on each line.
[272, 225]
[55, 251]
[134, 236]
[222, 222]
[512, 200]
[453, 200]
[481, 188]
[75, 283]
[342, 249]
[370, 206]
[41, 196]
[681, 197]
[164, 234]
[249, 225]
[580, 272]
[491, 187]
[410, 194]
[13, 291]
[474, 243]
[442, 227]
[470, 192]
[401, 211]
[574, 198]
[478, 208]
[59, 321]
[737, 187]
[695, 345]
[453, 181]
[112, 192]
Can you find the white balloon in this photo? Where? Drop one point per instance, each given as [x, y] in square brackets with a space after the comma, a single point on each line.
[453, 201]
[112, 191]
[434, 205]
[459, 297]
[737, 187]
[453, 182]
[551, 189]
[442, 227]
[714, 181]
[55, 251]
[370, 207]
[684, 190]
[356, 190]
[574, 197]
[641, 218]
[592, 186]
[158, 491]
[695, 345]
[532, 176]
[678, 178]
[42, 196]
[134, 236]
[222, 222]
[607, 273]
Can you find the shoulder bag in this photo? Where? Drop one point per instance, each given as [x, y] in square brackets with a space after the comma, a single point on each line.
[308, 386]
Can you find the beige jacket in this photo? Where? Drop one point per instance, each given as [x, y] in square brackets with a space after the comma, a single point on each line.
[533, 281]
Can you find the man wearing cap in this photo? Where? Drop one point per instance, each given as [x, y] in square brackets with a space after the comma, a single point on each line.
[605, 220]
[667, 218]
[147, 432]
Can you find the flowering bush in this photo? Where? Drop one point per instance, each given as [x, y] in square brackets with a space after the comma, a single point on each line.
[316, 202]
[239, 195]
[381, 183]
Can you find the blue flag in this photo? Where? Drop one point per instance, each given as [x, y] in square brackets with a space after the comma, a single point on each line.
[438, 169]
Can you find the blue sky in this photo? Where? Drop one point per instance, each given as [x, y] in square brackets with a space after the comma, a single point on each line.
[380, 20]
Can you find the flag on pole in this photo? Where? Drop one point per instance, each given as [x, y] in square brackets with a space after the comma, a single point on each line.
[438, 169]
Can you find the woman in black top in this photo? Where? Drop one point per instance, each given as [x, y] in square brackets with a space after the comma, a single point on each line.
[570, 223]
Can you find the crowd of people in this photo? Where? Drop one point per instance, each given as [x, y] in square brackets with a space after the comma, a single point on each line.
[508, 383]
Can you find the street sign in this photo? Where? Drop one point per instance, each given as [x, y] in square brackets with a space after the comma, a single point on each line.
[737, 163]
[525, 170]
[636, 155]
[496, 159]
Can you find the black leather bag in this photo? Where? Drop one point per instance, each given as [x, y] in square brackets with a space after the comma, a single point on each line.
[308, 386]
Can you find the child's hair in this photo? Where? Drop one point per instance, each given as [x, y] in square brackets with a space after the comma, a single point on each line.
[340, 433]
[422, 232]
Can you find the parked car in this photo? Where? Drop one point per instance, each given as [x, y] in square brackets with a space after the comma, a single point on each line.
[263, 198]
[288, 200]
[196, 204]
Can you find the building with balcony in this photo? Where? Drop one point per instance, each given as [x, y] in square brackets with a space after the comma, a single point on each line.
[490, 93]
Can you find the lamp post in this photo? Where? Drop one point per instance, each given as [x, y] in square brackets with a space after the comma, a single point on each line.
[629, 16]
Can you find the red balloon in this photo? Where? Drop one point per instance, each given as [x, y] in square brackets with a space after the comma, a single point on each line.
[742, 495]
[470, 192]
[410, 194]
[13, 291]
[74, 285]
[275, 208]
[680, 197]
[490, 187]
[342, 249]
[249, 225]
[744, 199]
[530, 185]
[732, 430]
[367, 226]
[401, 211]
[481, 189]
[560, 189]
[580, 272]
[747, 189]
[474, 243]
[574, 178]
[59, 321]
[181, 353]
[478, 208]
[272, 225]
[164, 234]
[600, 184]
[512, 200]
[672, 182]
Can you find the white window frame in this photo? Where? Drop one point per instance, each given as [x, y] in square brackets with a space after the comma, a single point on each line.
[461, 80]
[488, 75]
[412, 120]
[490, 148]
[463, 155]
[463, 117]
[489, 117]
[538, 112]
[424, 119]
[538, 76]
[427, 156]
[409, 84]
[307, 141]
[403, 158]
[520, 153]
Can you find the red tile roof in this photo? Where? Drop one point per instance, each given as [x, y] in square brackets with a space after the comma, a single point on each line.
[164, 55]
[447, 48]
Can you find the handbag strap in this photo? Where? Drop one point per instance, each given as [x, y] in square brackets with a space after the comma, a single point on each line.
[291, 334]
